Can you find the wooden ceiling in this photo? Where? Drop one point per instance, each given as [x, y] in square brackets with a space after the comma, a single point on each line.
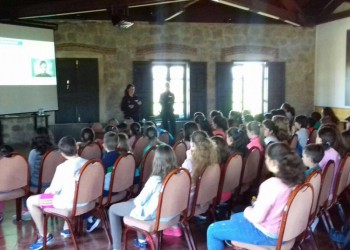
[295, 12]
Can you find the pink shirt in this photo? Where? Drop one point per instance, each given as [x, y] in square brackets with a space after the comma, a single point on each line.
[254, 142]
[266, 214]
[331, 154]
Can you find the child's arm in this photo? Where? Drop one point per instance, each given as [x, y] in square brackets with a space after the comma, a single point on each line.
[147, 191]
[57, 181]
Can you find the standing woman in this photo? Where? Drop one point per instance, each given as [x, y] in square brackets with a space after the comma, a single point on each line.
[131, 104]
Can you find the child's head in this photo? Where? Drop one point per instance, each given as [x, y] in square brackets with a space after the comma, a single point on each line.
[111, 128]
[236, 138]
[147, 125]
[87, 135]
[5, 150]
[326, 136]
[110, 141]
[253, 129]
[282, 124]
[347, 125]
[164, 161]
[300, 121]
[203, 152]
[68, 146]
[222, 149]
[346, 139]
[312, 154]
[269, 128]
[135, 128]
[284, 163]
[189, 128]
[152, 135]
[316, 116]
[214, 113]
[123, 144]
[220, 122]
[41, 143]
[247, 118]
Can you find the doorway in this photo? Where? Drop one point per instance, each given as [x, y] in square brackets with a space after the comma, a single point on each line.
[77, 90]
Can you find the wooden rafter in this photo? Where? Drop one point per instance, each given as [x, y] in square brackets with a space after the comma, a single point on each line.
[328, 10]
[261, 7]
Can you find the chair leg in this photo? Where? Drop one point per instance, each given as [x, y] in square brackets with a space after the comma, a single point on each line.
[150, 240]
[184, 229]
[101, 212]
[160, 239]
[19, 209]
[70, 226]
[46, 217]
[341, 211]
[192, 244]
[125, 237]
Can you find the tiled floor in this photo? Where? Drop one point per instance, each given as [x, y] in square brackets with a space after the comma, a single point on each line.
[19, 235]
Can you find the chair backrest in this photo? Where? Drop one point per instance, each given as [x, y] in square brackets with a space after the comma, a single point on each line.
[49, 163]
[343, 175]
[293, 142]
[91, 151]
[180, 149]
[296, 213]
[315, 179]
[164, 137]
[326, 184]
[140, 144]
[231, 173]
[206, 187]
[123, 173]
[146, 165]
[312, 136]
[251, 166]
[89, 185]
[14, 170]
[174, 195]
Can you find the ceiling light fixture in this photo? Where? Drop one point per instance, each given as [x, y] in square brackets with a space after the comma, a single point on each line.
[64, 14]
[292, 23]
[267, 15]
[231, 4]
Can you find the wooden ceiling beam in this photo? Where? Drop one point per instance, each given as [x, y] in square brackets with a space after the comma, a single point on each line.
[265, 9]
[328, 9]
[291, 5]
[64, 7]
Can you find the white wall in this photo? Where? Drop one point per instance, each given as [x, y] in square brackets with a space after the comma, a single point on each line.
[330, 63]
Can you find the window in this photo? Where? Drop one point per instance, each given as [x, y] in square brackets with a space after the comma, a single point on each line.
[175, 74]
[249, 87]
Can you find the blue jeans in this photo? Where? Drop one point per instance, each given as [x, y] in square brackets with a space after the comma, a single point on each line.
[238, 228]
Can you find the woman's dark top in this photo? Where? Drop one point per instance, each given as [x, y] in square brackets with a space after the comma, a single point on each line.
[131, 112]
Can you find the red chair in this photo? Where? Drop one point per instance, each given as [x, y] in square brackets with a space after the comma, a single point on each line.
[230, 179]
[14, 180]
[312, 136]
[294, 220]
[91, 151]
[139, 146]
[180, 149]
[293, 142]
[173, 201]
[252, 166]
[146, 168]
[48, 166]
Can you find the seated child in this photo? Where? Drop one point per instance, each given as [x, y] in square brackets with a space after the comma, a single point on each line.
[253, 132]
[144, 206]
[237, 141]
[60, 194]
[87, 136]
[110, 142]
[260, 224]
[123, 144]
[312, 155]
[300, 124]
[220, 126]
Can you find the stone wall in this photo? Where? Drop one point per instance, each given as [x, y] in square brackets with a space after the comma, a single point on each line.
[117, 48]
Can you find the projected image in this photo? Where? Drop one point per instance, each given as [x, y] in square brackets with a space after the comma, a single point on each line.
[43, 68]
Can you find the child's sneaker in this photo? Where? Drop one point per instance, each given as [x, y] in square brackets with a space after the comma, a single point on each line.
[66, 233]
[25, 216]
[171, 231]
[336, 236]
[39, 244]
[141, 245]
[92, 223]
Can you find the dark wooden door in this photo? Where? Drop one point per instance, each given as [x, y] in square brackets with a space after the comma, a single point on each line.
[198, 87]
[77, 90]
